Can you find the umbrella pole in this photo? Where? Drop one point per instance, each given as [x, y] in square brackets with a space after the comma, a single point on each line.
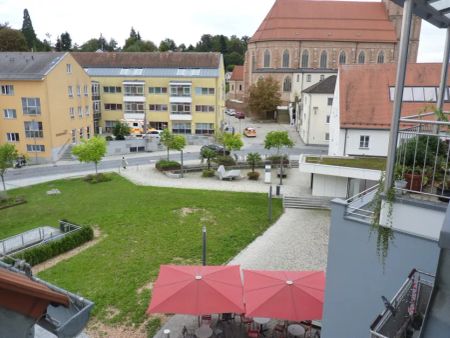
[204, 246]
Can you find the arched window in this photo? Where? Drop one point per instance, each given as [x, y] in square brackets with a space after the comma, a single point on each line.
[380, 58]
[342, 58]
[361, 57]
[287, 84]
[323, 59]
[305, 59]
[285, 59]
[266, 58]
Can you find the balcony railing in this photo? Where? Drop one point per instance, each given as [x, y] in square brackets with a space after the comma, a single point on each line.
[361, 205]
[422, 159]
[404, 315]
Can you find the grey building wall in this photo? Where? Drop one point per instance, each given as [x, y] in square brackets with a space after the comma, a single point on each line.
[13, 324]
[355, 277]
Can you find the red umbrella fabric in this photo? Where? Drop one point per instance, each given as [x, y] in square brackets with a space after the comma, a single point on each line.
[197, 290]
[288, 295]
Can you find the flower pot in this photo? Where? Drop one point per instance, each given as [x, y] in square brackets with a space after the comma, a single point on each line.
[414, 181]
[400, 184]
[445, 194]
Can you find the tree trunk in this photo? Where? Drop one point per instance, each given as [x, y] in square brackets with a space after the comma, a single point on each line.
[208, 161]
[3, 182]
[182, 164]
[96, 172]
[167, 153]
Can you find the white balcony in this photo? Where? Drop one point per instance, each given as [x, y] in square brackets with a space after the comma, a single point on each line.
[180, 117]
[181, 99]
[134, 99]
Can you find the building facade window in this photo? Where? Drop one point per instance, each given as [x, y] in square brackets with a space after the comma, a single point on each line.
[327, 121]
[204, 128]
[204, 91]
[323, 59]
[35, 148]
[330, 101]
[240, 87]
[327, 136]
[68, 68]
[298, 77]
[112, 89]
[181, 127]
[308, 78]
[86, 111]
[7, 90]
[342, 58]
[157, 90]
[113, 106]
[380, 58]
[204, 109]
[158, 125]
[305, 59]
[109, 126]
[178, 91]
[286, 60]
[71, 112]
[33, 129]
[364, 141]
[180, 108]
[266, 61]
[158, 107]
[133, 90]
[88, 132]
[70, 91]
[78, 90]
[134, 108]
[9, 113]
[12, 137]
[80, 112]
[287, 84]
[81, 133]
[31, 106]
[361, 57]
[85, 90]
[74, 135]
[322, 77]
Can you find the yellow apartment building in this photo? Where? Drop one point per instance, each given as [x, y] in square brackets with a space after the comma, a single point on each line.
[45, 102]
[184, 92]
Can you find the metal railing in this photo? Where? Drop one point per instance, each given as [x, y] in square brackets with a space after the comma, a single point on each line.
[406, 310]
[360, 205]
[422, 158]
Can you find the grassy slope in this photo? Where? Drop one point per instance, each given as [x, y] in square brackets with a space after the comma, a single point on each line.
[375, 163]
[144, 227]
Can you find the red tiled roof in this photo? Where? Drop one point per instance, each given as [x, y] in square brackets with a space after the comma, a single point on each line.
[364, 96]
[326, 20]
[238, 73]
[21, 294]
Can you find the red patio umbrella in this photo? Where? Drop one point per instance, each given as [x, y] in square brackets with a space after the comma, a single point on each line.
[288, 295]
[197, 290]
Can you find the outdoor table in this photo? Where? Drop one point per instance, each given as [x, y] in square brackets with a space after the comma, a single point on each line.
[296, 330]
[204, 331]
[261, 321]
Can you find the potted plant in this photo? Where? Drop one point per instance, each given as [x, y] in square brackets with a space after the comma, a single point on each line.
[400, 182]
[413, 178]
[253, 159]
[444, 190]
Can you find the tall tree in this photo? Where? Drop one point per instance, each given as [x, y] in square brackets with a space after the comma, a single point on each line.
[166, 138]
[91, 150]
[8, 154]
[264, 97]
[28, 30]
[66, 42]
[132, 39]
[166, 45]
[12, 40]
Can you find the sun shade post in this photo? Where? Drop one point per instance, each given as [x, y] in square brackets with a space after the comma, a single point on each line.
[444, 72]
[204, 245]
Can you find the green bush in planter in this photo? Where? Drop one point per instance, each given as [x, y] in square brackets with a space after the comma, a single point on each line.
[225, 160]
[165, 165]
[253, 175]
[97, 178]
[276, 159]
[408, 149]
[208, 173]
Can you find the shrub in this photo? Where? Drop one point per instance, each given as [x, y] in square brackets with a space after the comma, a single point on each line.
[225, 160]
[165, 165]
[208, 173]
[109, 138]
[97, 178]
[52, 249]
[276, 159]
[253, 175]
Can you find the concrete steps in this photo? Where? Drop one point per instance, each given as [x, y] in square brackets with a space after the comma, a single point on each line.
[306, 202]
[67, 154]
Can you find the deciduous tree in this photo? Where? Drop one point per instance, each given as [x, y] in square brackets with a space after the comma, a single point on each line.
[278, 140]
[8, 154]
[12, 40]
[264, 97]
[92, 150]
[166, 138]
[121, 130]
[208, 155]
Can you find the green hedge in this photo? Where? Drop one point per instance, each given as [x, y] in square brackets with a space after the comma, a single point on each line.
[97, 178]
[225, 160]
[164, 165]
[276, 159]
[52, 249]
[208, 173]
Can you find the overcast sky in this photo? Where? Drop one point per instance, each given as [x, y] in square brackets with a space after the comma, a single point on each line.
[181, 20]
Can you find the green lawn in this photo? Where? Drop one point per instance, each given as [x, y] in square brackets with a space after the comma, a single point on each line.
[143, 228]
[375, 163]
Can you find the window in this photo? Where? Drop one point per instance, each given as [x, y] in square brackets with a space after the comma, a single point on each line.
[327, 136]
[204, 109]
[74, 135]
[158, 125]
[180, 108]
[285, 59]
[240, 87]
[80, 112]
[112, 89]
[232, 87]
[430, 94]
[71, 112]
[86, 110]
[137, 149]
[81, 133]
[315, 110]
[364, 142]
[204, 91]
[12, 137]
[9, 113]
[322, 77]
[328, 119]
[35, 148]
[418, 94]
[78, 90]
[70, 91]
[31, 106]
[380, 58]
[88, 132]
[157, 90]
[342, 58]
[308, 78]
[7, 90]
[180, 90]
[109, 126]
[361, 57]
[85, 90]
[133, 90]
[298, 77]
[323, 59]
[113, 106]
[287, 84]
[68, 68]
[181, 127]
[158, 107]
[95, 89]
[134, 107]
[96, 107]
[204, 128]
[33, 129]
[305, 59]
[330, 101]
[266, 61]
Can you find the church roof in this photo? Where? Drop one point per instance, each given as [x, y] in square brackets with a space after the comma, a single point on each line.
[312, 20]
[238, 73]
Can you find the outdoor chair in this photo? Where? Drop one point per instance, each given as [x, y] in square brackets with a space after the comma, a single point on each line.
[280, 330]
[207, 319]
[186, 333]
[253, 333]
[227, 175]
[246, 321]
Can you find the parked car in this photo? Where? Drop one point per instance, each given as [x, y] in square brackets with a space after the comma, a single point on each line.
[230, 112]
[154, 133]
[250, 132]
[218, 149]
[239, 115]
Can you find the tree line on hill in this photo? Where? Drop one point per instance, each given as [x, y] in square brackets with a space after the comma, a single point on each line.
[233, 48]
